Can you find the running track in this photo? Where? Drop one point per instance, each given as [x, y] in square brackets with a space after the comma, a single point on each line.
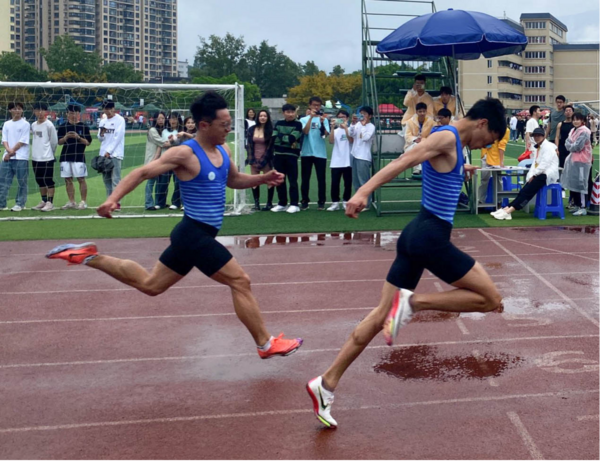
[92, 369]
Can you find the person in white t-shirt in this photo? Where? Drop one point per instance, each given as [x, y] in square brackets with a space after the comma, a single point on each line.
[513, 128]
[532, 124]
[15, 160]
[111, 133]
[363, 132]
[341, 165]
[43, 145]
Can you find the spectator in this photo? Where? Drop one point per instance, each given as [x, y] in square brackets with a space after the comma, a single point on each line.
[556, 116]
[15, 139]
[597, 133]
[189, 129]
[141, 121]
[544, 171]
[170, 134]
[341, 164]
[521, 128]
[287, 142]
[260, 154]
[417, 129]
[74, 136]
[416, 95]
[562, 133]
[578, 165]
[446, 101]
[444, 116]
[314, 152]
[513, 128]
[532, 124]
[155, 146]
[250, 119]
[492, 157]
[111, 134]
[362, 132]
[43, 145]
[593, 125]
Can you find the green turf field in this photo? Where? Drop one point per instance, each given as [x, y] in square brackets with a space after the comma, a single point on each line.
[255, 223]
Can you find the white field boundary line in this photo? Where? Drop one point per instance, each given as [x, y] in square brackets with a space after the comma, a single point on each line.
[534, 451]
[486, 341]
[255, 414]
[588, 418]
[259, 284]
[543, 280]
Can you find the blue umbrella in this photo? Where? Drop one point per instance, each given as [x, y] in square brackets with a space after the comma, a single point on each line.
[461, 34]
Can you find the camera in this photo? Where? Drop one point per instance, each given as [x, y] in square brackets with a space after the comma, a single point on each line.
[320, 112]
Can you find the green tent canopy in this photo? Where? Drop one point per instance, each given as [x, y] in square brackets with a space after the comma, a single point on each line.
[59, 106]
[150, 108]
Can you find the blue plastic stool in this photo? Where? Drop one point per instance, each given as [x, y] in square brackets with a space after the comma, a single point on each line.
[555, 207]
[489, 198]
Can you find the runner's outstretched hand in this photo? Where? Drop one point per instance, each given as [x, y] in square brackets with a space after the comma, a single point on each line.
[356, 204]
[106, 208]
[273, 178]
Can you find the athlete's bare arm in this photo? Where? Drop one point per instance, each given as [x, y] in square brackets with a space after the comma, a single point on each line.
[237, 180]
[180, 158]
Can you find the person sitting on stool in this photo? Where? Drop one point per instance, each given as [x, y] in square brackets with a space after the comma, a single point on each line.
[544, 171]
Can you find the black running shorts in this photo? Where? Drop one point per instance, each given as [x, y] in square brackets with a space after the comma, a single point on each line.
[193, 244]
[44, 173]
[425, 244]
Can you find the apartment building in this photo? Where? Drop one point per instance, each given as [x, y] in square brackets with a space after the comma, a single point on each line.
[141, 33]
[10, 30]
[549, 66]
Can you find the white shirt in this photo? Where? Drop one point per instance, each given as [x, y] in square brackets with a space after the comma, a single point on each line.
[513, 123]
[532, 124]
[113, 140]
[15, 132]
[545, 161]
[363, 139]
[44, 141]
[340, 156]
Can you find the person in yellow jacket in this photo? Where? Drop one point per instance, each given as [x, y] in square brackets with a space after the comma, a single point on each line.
[492, 157]
[416, 95]
[417, 129]
[446, 101]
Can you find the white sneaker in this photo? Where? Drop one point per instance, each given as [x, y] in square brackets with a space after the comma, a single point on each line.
[278, 208]
[494, 213]
[502, 215]
[173, 207]
[399, 315]
[345, 205]
[39, 206]
[157, 207]
[580, 212]
[49, 206]
[4, 209]
[322, 401]
[69, 206]
[334, 206]
[293, 209]
[82, 205]
[17, 208]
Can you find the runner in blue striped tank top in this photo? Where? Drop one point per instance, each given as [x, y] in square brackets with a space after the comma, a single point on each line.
[423, 244]
[203, 167]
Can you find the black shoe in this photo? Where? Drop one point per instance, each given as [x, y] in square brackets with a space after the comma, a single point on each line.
[321, 206]
[267, 207]
[256, 205]
[304, 206]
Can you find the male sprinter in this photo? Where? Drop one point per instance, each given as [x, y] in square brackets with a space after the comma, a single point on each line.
[424, 244]
[202, 164]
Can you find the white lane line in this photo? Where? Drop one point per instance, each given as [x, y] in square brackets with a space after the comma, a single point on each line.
[543, 280]
[293, 412]
[459, 323]
[182, 316]
[483, 365]
[527, 440]
[301, 351]
[588, 418]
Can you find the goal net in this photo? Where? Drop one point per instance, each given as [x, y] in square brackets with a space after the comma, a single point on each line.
[139, 105]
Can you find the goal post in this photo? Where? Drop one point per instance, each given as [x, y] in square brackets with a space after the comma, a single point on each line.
[131, 102]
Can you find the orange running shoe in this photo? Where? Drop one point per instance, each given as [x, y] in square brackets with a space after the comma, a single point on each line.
[280, 346]
[73, 254]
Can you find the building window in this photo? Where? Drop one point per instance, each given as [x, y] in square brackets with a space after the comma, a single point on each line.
[535, 98]
[535, 69]
[535, 25]
[489, 63]
[557, 30]
[535, 55]
[489, 94]
[553, 41]
[536, 39]
[489, 79]
[535, 84]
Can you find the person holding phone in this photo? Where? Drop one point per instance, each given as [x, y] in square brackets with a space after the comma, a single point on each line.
[416, 95]
[341, 164]
[362, 132]
[112, 139]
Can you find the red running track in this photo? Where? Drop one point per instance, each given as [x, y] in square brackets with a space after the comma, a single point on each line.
[94, 370]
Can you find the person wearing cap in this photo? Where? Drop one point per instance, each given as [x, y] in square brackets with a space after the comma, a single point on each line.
[111, 133]
[543, 172]
[74, 136]
[43, 146]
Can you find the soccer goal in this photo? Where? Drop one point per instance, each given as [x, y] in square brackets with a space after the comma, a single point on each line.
[139, 105]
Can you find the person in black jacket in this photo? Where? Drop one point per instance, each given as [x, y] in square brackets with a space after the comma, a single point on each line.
[521, 128]
[260, 154]
[287, 142]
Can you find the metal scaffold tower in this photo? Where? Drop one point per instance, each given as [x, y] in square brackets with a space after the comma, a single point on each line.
[385, 84]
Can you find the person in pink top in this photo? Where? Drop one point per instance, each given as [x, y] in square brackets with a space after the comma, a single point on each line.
[576, 175]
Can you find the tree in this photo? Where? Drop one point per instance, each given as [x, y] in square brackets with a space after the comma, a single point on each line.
[220, 57]
[271, 70]
[337, 71]
[345, 88]
[251, 92]
[120, 72]
[74, 77]
[64, 54]
[310, 68]
[14, 69]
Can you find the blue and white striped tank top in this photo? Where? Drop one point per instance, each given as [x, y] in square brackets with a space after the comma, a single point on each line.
[204, 196]
[442, 190]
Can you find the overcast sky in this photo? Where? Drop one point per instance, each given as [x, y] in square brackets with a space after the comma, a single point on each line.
[329, 31]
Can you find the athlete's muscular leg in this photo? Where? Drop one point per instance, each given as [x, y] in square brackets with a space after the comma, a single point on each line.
[360, 338]
[475, 292]
[131, 273]
[244, 302]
